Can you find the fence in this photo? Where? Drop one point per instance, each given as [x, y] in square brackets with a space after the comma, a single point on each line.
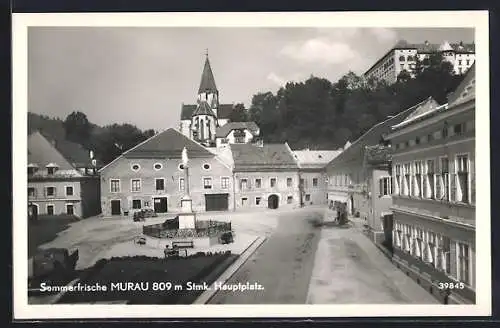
[202, 229]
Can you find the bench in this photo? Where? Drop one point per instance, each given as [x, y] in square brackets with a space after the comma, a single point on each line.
[183, 244]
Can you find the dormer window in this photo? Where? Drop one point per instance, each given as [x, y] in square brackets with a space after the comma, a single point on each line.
[32, 169]
[51, 168]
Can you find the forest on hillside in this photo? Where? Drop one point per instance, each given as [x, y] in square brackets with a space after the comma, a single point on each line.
[315, 114]
[319, 114]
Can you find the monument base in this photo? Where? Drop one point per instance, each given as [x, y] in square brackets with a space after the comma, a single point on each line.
[187, 220]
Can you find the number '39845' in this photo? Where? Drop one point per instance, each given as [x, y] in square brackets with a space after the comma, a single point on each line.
[451, 285]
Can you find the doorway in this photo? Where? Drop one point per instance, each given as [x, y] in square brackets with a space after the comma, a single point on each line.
[116, 207]
[70, 209]
[273, 202]
[160, 204]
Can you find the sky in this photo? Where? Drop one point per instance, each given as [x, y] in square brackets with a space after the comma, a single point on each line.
[142, 75]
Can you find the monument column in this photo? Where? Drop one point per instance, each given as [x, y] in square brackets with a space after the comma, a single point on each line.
[187, 219]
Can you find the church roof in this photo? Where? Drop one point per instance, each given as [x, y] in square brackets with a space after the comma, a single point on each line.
[207, 78]
[249, 157]
[203, 109]
[223, 112]
[224, 130]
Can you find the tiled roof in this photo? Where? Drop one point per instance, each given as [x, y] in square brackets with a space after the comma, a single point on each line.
[224, 130]
[378, 154]
[466, 90]
[203, 109]
[168, 143]
[248, 157]
[433, 47]
[75, 153]
[372, 137]
[207, 82]
[224, 111]
[315, 158]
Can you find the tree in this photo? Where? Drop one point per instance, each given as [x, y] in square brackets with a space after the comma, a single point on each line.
[239, 113]
[77, 128]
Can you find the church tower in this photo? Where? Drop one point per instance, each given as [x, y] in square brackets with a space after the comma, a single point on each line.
[208, 90]
[204, 118]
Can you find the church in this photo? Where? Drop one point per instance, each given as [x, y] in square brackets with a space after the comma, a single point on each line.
[206, 122]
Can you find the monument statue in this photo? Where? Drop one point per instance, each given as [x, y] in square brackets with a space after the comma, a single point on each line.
[187, 219]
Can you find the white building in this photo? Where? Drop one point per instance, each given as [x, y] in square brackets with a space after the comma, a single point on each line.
[403, 57]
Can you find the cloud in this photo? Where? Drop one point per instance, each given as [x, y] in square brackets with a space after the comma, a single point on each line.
[273, 77]
[320, 50]
[384, 34]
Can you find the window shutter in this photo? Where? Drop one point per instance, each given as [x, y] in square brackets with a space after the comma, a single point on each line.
[424, 186]
[438, 187]
[55, 191]
[381, 186]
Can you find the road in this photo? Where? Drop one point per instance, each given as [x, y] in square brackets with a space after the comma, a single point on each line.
[282, 265]
[301, 263]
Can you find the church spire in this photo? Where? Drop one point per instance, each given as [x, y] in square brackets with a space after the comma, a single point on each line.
[207, 83]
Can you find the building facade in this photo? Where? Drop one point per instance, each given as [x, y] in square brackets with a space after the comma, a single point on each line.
[237, 133]
[62, 178]
[360, 175]
[265, 176]
[312, 174]
[403, 57]
[434, 194]
[151, 175]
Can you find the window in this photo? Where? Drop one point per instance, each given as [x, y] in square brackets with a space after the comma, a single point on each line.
[243, 184]
[181, 184]
[31, 192]
[402, 58]
[136, 204]
[385, 186]
[51, 170]
[430, 137]
[315, 182]
[70, 210]
[50, 209]
[308, 197]
[69, 191]
[288, 182]
[445, 180]
[406, 181]
[459, 62]
[224, 182]
[397, 181]
[207, 183]
[135, 167]
[303, 185]
[258, 183]
[244, 201]
[206, 166]
[407, 144]
[158, 166]
[444, 254]
[160, 184]
[136, 185]
[181, 167]
[418, 179]
[289, 199]
[31, 170]
[463, 271]
[417, 141]
[223, 140]
[257, 200]
[462, 194]
[430, 181]
[272, 182]
[467, 62]
[50, 191]
[459, 129]
[444, 132]
[115, 185]
[397, 146]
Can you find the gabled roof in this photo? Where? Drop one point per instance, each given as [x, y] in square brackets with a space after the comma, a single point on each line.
[248, 157]
[372, 137]
[207, 78]
[315, 158]
[224, 130]
[166, 144]
[40, 152]
[223, 112]
[203, 109]
[419, 110]
[466, 90]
